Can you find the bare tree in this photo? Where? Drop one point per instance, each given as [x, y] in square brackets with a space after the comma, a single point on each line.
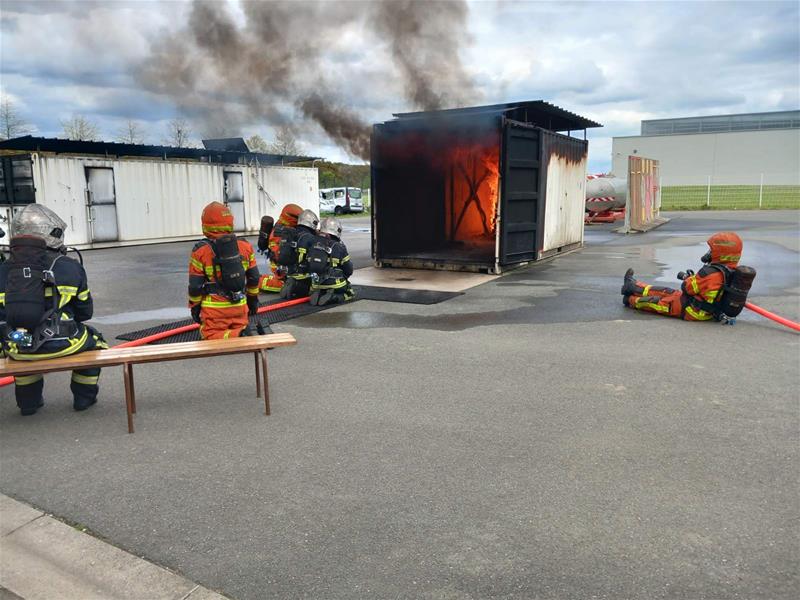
[257, 144]
[285, 143]
[80, 128]
[11, 123]
[131, 133]
[178, 132]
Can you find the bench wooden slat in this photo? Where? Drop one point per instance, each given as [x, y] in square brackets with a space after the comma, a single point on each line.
[145, 354]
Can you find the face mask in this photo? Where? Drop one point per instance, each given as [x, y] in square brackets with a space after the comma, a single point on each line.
[706, 258]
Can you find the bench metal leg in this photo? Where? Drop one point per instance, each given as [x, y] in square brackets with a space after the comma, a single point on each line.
[258, 374]
[264, 372]
[127, 375]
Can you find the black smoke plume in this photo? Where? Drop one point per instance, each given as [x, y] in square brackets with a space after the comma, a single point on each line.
[271, 64]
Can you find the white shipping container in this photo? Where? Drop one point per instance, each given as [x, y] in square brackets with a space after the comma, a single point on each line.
[136, 201]
[565, 192]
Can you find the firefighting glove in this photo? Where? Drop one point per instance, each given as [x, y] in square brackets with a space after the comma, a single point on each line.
[252, 305]
[196, 313]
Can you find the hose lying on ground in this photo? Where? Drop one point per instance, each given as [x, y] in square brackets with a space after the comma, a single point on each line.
[773, 316]
[183, 329]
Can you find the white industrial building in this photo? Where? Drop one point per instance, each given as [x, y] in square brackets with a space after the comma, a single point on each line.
[742, 149]
[118, 194]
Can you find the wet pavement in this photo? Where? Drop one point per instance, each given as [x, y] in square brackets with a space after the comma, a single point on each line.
[530, 438]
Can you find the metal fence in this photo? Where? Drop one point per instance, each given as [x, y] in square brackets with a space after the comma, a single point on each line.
[760, 194]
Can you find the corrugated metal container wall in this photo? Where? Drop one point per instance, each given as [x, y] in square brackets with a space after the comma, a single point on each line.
[162, 200]
[565, 162]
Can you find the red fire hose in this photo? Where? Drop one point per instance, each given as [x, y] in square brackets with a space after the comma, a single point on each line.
[773, 316]
[183, 329]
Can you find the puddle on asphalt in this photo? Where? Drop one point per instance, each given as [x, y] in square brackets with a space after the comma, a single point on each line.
[171, 313]
[776, 267]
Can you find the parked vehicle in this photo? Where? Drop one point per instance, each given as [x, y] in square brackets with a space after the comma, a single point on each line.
[340, 200]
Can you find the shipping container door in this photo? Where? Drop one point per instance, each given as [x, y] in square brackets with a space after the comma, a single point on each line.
[520, 193]
[234, 198]
[102, 201]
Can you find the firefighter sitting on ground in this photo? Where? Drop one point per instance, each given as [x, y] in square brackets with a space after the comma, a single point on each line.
[298, 279]
[284, 228]
[329, 265]
[700, 294]
[44, 304]
[223, 278]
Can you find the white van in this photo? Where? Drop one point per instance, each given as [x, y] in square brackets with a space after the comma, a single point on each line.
[340, 200]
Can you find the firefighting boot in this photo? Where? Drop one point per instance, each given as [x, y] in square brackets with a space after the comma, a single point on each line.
[630, 285]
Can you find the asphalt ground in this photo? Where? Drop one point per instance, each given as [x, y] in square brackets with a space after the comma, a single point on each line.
[532, 438]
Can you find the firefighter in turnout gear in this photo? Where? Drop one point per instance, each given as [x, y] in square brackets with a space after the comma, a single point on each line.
[284, 229]
[330, 266]
[223, 278]
[699, 293]
[44, 304]
[298, 280]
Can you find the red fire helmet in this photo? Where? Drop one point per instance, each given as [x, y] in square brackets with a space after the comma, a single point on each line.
[726, 248]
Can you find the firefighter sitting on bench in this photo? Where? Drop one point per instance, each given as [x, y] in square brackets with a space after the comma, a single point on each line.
[329, 266]
[223, 278]
[44, 304]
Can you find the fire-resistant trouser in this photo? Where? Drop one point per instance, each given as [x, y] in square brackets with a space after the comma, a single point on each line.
[332, 290]
[84, 385]
[297, 285]
[662, 300]
[274, 281]
[222, 322]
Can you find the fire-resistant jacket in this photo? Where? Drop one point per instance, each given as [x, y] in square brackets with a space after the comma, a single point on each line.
[700, 291]
[704, 289]
[75, 307]
[305, 239]
[340, 267]
[221, 317]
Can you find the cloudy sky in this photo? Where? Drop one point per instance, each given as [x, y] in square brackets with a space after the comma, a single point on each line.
[617, 63]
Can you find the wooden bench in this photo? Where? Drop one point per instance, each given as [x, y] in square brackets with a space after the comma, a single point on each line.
[127, 357]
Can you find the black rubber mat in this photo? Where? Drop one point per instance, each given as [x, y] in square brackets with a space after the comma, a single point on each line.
[363, 292]
[385, 294]
[268, 318]
[189, 336]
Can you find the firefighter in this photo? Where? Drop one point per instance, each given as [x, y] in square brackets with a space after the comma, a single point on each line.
[286, 224]
[44, 305]
[298, 279]
[699, 293]
[223, 278]
[330, 266]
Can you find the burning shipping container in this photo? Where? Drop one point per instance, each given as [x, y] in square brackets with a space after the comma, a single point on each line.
[478, 189]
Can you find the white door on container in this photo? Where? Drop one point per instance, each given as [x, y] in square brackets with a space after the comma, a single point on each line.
[234, 198]
[102, 202]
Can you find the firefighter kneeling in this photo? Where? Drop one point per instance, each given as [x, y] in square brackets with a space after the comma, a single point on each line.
[223, 278]
[280, 256]
[718, 291]
[44, 303]
[329, 266]
[298, 278]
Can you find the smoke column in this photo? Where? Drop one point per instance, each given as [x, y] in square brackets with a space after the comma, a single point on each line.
[271, 63]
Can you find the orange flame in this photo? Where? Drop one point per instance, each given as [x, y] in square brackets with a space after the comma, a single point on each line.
[474, 185]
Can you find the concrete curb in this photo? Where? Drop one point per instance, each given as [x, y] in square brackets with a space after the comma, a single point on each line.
[44, 558]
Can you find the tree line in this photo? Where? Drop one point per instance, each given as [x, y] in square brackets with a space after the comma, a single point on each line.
[178, 133]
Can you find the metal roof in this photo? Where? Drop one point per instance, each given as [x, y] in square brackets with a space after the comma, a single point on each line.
[783, 119]
[538, 112]
[113, 149]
